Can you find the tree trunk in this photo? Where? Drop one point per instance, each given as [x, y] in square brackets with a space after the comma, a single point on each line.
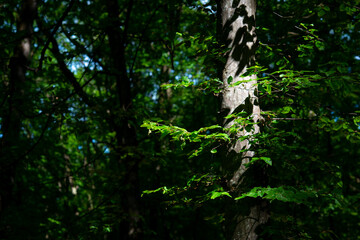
[11, 129]
[125, 131]
[237, 32]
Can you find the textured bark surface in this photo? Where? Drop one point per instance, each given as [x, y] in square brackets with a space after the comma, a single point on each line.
[238, 21]
[238, 34]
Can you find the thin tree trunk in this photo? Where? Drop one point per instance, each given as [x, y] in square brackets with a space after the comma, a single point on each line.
[11, 128]
[237, 32]
[125, 131]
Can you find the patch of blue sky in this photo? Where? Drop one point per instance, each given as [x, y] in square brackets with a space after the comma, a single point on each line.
[153, 94]
[13, 26]
[83, 63]
[83, 119]
[345, 37]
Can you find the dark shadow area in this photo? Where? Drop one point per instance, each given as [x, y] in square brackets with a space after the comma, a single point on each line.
[241, 53]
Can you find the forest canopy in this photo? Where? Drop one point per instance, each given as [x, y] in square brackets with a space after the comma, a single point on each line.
[180, 119]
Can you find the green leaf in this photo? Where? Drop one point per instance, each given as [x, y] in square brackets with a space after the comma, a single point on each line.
[286, 110]
[267, 160]
[152, 191]
[285, 194]
[216, 194]
[54, 221]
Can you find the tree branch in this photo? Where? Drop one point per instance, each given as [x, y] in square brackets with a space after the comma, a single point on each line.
[293, 119]
[51, 35]
[67, 73]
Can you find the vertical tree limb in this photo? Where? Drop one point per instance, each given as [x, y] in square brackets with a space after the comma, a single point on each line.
[237, 32]
[122, 123]
[12, 121]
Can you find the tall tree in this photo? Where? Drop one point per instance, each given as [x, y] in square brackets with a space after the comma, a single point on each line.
[237, 19]
[121, 117]
[10, 154]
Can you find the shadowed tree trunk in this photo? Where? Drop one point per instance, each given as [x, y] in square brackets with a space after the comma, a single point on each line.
[237, 32]
[123, 120]
[11, 127]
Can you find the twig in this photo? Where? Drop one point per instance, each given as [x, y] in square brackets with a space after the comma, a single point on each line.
[299, 28]
[293, 119]
[286, 17]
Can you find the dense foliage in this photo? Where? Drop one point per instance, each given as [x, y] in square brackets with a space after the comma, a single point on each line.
[114, 131]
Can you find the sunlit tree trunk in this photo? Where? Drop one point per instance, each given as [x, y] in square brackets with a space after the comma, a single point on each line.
[11, 127]
[237, 33]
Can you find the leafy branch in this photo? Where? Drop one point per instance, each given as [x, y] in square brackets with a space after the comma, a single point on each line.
[203, 135]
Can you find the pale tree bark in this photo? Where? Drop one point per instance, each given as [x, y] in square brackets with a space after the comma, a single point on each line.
[16, 102]
[237, 32]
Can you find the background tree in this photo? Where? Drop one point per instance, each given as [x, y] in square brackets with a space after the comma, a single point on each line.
[16, 96]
